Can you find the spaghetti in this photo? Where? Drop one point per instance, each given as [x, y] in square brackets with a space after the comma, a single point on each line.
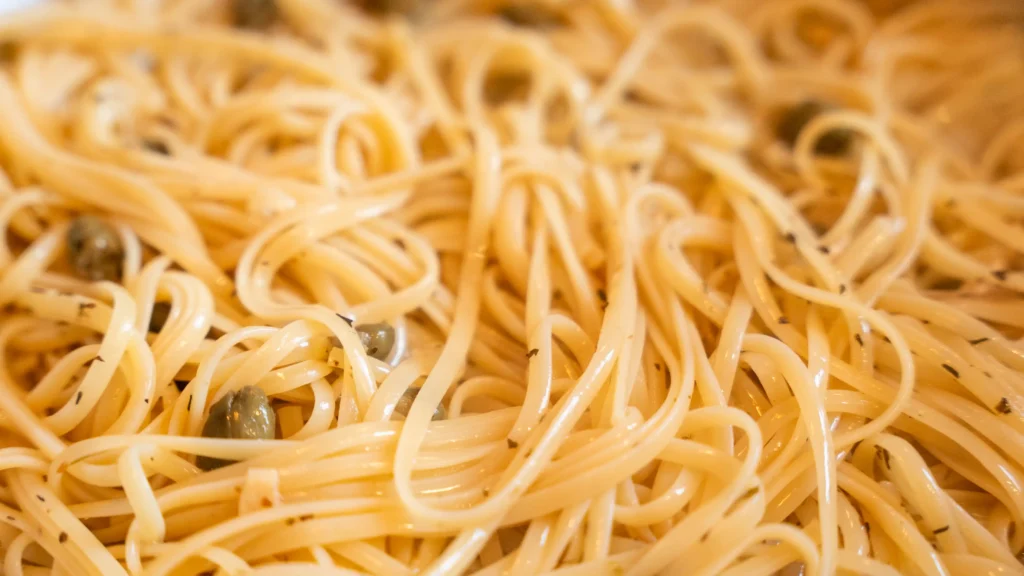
[540, 287]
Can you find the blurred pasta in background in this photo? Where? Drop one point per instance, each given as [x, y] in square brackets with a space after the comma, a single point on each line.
[496, 287]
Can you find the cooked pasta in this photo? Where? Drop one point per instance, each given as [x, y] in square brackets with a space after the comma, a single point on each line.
[512, 287]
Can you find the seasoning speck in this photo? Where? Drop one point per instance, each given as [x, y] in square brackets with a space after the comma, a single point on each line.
[884, 454]
[1004, 406]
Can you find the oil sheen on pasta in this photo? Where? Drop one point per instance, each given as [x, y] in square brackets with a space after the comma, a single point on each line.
[569, 287]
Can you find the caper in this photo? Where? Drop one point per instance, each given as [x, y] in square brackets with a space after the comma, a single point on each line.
[157, 319]
[378, 339]
[404, 404]
[94, 249]
[530, 15]
[242, 415]
[834, 142]
[390, 7]
[254, 14]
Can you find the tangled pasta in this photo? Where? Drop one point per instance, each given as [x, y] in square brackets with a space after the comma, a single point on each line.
[572, 287]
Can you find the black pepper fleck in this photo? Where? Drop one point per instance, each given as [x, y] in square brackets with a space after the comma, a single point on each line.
[1004, 406]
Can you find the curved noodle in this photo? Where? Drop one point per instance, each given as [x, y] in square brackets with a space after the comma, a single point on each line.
[635, 326]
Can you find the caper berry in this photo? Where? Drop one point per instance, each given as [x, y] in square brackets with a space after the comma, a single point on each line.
[378, 339]
[834, 142]
[157, 319]
[530, 15]
[254, 14]
[404, 404]
[242, 415]
[94, 249]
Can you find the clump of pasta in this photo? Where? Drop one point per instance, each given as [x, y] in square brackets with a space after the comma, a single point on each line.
[512, 288]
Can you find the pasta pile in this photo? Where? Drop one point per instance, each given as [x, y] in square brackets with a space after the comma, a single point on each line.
[568, 287]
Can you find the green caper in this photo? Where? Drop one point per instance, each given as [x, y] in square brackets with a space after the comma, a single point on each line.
[378, 339]
[94, 249]
[161, 310]
[390, 7]
[834, 142]
[404, 404]
[254, 14]
[242, 415]
[530, 15]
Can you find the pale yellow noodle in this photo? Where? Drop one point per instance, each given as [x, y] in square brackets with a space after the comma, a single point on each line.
[649, 336]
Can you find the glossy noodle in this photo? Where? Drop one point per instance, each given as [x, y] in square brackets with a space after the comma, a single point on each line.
[512, 288]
